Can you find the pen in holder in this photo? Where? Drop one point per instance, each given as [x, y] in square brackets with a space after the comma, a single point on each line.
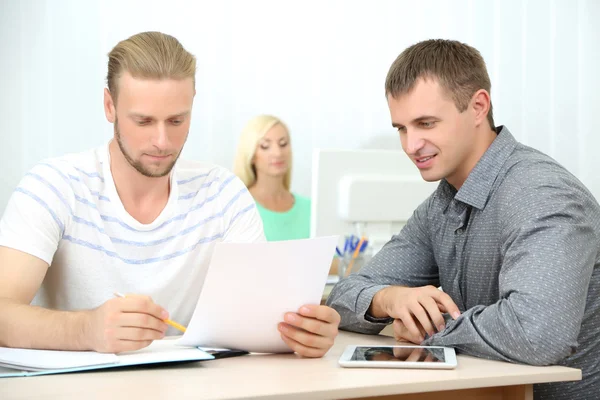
[354, 255]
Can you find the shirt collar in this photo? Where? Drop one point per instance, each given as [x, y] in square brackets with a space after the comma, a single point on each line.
[478, 186]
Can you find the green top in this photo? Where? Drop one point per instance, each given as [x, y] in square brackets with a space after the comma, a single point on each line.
[287, 225]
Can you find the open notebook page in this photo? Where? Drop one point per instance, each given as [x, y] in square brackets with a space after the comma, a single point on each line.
[42, 360]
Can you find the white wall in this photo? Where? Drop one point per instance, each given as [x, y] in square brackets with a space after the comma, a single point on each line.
[318, 64]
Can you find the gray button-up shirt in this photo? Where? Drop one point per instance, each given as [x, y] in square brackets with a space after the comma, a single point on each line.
[517, 249]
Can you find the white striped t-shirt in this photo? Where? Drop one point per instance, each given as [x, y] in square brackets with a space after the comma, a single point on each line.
[66, 211]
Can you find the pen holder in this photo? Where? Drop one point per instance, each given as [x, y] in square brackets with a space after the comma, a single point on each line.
[345, 262]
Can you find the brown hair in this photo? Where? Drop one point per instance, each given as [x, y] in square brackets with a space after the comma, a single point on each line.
[459, 69]
[152, 55]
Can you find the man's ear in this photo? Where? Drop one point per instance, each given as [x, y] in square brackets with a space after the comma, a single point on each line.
[109, 107]
[481, 103]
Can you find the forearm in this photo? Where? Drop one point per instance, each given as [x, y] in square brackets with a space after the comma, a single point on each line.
[377, 309]
[26, 326]
[502, 331]
[406, 260]
[352, 298]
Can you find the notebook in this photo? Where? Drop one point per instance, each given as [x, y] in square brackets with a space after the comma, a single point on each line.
[27, 362]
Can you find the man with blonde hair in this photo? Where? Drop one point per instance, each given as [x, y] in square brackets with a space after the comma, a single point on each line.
[512, 237]
[130, 217]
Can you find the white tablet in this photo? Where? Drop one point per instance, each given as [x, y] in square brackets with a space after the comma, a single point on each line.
[434, 357]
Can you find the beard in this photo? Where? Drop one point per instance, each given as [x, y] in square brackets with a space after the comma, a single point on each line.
[137, 164]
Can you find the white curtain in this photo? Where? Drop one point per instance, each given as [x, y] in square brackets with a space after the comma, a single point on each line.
[320, 65]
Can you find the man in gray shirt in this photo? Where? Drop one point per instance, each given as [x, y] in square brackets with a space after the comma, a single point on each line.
[510, 235]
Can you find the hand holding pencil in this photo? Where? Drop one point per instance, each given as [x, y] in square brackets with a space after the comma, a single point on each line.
[125, 323]
[167, 321]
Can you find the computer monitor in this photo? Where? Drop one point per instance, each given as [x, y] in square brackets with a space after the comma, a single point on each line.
[364, 192]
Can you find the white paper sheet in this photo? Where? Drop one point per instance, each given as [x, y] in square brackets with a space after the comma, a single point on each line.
[250, 286]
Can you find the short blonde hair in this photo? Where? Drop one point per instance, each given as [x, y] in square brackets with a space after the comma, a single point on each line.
[252, 133]
[151, 55]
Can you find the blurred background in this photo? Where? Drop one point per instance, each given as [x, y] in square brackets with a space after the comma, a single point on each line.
[318, 65]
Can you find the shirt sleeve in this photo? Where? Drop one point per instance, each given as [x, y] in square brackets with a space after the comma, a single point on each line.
[244, 224]
[37, 213]
[406, 260]
[550, 248]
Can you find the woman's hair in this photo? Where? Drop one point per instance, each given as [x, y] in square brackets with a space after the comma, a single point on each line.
[252, 133]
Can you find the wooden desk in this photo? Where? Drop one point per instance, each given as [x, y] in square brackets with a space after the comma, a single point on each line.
[290, 377]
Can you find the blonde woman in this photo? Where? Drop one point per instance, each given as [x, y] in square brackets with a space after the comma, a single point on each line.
[264, 163]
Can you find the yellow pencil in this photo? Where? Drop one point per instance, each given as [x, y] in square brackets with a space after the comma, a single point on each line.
[356, 251]
[166, 321]
[175, 325]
